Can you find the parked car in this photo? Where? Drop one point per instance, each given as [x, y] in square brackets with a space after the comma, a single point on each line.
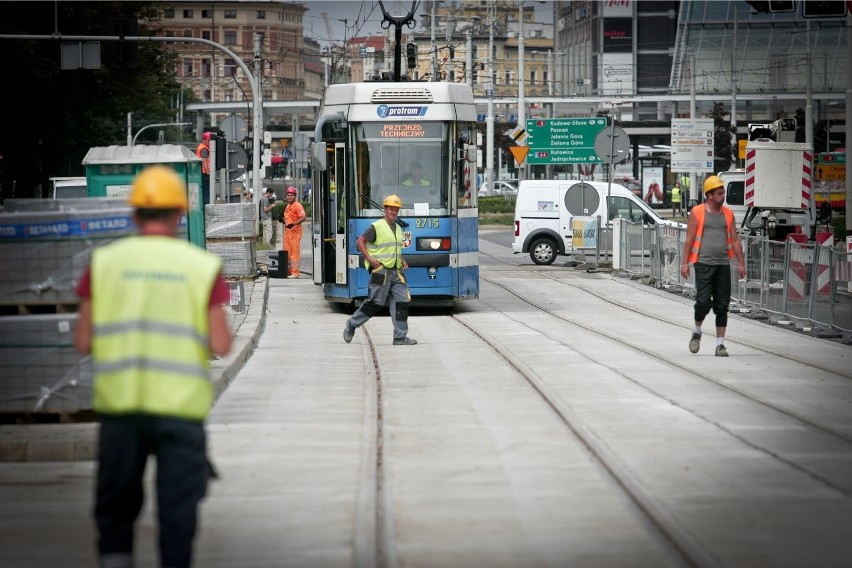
[500, 187]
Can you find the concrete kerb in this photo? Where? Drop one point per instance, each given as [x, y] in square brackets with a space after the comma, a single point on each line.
[78, 442]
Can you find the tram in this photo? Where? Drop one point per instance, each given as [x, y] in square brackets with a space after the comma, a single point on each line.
[413, 140]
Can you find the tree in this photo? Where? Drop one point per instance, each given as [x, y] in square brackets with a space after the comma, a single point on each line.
[53, 116]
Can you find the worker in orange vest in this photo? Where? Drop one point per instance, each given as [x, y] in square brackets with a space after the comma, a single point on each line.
[203, 152]
[294, 216]
[711, 242]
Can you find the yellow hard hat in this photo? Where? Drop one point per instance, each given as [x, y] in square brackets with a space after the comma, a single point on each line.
[713, 182]
[392, 201]
[158, 187]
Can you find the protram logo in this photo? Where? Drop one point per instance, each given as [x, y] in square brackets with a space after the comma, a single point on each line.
[385, 111]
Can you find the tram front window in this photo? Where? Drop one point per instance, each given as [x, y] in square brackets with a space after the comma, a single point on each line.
[409, 159]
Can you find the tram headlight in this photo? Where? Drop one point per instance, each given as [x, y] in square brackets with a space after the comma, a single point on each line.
[434, 243]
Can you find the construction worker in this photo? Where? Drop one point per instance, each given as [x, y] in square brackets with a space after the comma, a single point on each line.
[203, 152]
[711, 242]
[294, 216]
[150, 315]
[381, 246]
[416, 177]
[677, 199]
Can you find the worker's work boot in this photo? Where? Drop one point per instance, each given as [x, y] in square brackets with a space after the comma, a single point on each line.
[348, 333]
[695, 343]
[405, 341]
[721, 351]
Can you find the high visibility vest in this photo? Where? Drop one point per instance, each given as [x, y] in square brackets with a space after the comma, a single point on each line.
[203, 152]
[387, 247]
[676, 194]
[700, 212]
[422, 182]
[150, 344]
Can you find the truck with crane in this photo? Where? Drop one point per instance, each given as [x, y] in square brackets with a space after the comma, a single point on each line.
[774, 194]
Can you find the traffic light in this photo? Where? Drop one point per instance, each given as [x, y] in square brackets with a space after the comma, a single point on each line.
[411, 55]
[121, 54]
[452, 52]
[221, 151]
[824, 9]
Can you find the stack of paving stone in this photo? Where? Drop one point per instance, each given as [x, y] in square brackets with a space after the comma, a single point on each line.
[45, 245]
[232, 235]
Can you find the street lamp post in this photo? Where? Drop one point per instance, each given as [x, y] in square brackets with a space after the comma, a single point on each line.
[522, 118]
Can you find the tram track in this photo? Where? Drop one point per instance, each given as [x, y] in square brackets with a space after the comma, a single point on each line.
[668, 530]
[638, 309]
[690, 369]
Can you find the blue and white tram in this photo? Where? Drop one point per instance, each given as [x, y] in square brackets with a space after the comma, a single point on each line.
[369, 140]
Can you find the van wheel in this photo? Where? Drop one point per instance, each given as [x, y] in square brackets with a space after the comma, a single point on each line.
[543, 251]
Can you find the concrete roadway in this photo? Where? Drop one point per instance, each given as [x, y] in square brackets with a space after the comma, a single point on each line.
[478, 470]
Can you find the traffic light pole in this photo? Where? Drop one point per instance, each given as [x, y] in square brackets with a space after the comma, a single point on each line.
[257, 101]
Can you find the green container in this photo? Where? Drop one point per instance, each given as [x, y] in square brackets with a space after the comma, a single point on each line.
[110, 171]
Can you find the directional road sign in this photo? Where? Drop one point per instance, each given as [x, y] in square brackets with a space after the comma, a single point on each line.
[563, 140]
[827, 172]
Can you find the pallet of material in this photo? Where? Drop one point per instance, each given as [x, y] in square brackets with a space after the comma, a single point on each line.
[237, 257]
[43, 253]
[40, 372]
[231, 220]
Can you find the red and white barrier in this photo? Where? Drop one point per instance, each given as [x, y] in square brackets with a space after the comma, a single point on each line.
[823, 274]
[797, 276]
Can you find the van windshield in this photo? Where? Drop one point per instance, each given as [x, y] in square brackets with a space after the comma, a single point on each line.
[71, 191]
[629, 209]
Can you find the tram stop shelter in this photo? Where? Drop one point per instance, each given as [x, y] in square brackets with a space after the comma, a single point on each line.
[110, 171]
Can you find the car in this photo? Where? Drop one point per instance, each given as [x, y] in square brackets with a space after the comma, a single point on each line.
[500, 187]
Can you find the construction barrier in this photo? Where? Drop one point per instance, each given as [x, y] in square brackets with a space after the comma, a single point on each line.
[798, 255]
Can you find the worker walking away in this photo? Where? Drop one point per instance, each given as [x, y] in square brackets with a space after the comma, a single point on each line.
[203, 152]
[711, 242]
[151, 313]
[677, 199]
[294, 216]
[381, 246]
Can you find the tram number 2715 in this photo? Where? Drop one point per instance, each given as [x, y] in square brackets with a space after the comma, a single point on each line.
[427, 223]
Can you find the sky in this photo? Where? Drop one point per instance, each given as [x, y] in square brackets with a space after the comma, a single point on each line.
[365, 17]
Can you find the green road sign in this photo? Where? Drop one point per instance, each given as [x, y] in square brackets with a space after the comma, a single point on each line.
[563, 140]
[832, 158]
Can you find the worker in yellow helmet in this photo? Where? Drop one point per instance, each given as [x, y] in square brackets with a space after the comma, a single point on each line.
[711, 242]
[150, 315]
[381, 246]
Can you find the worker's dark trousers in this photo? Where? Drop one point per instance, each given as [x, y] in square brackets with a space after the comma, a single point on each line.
[182, 471]
[712, 289]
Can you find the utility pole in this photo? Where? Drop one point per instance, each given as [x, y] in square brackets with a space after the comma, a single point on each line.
[489, 119]
[522, 118]
[433, 52]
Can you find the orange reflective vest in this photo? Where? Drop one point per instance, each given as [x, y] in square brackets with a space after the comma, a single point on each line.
[203, 152]
[699, 213]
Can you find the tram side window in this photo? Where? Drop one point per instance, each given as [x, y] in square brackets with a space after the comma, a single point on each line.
[467, 187]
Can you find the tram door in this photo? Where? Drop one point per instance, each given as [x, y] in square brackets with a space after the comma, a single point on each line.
[339, 216]
[332, 219]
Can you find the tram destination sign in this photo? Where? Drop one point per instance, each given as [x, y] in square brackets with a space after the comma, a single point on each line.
[563, 140]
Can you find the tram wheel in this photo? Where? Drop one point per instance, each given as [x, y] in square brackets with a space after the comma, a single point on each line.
[543, 251]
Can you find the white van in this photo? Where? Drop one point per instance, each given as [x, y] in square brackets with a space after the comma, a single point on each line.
[69, 187]
[544, 210]
[734, 181]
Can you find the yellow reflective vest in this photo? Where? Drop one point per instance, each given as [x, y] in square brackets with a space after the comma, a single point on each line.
[150, 297]
[387, 248]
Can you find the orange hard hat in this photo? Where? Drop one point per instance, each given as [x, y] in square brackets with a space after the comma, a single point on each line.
[292, 190]
[158, 187]
[206, 136]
